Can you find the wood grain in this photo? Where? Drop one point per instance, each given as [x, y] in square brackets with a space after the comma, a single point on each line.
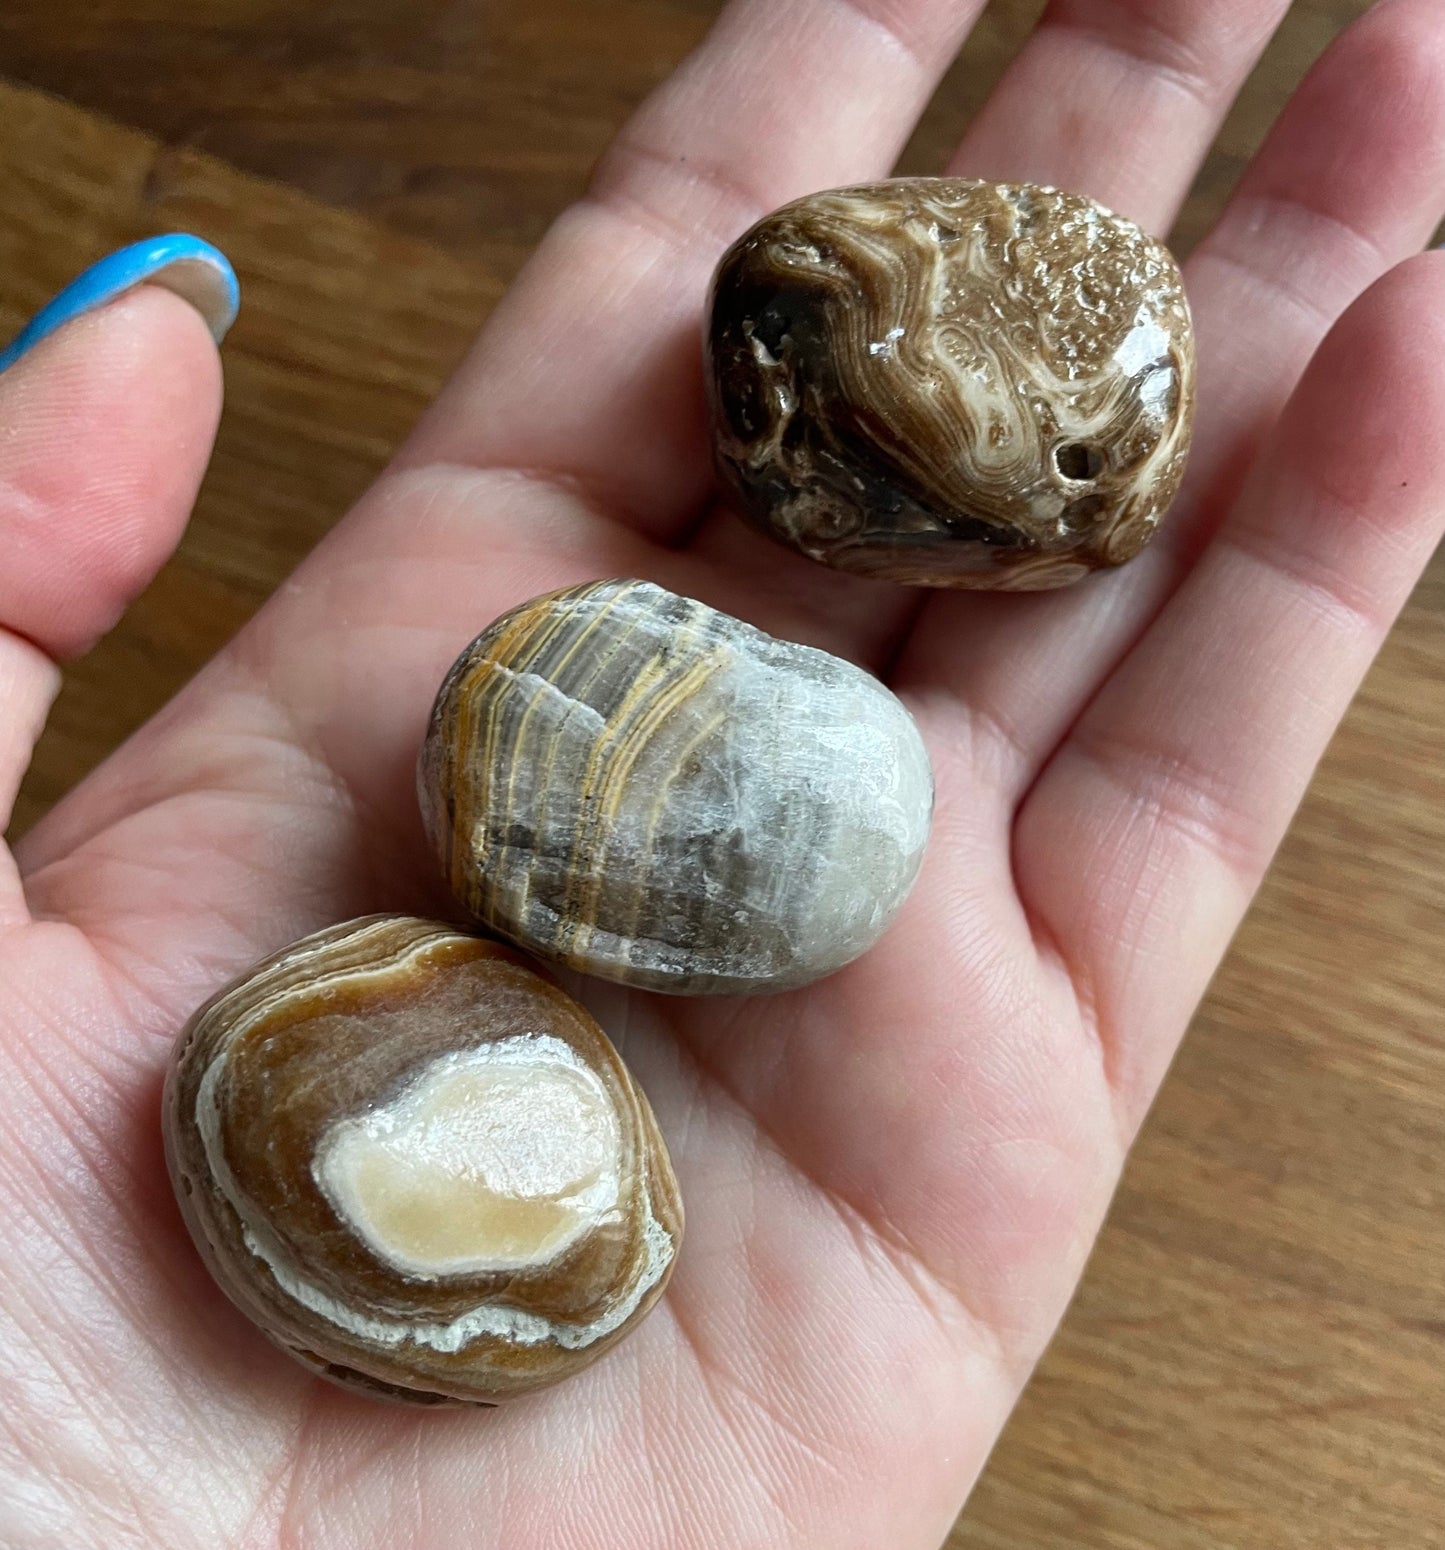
[1255, 1359]
[470, 125]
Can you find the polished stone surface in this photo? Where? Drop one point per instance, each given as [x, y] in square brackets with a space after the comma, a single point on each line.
[645, 789]
[952, 383]
[419, 1166]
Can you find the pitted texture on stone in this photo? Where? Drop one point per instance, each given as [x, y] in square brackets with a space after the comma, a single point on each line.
[952, 383]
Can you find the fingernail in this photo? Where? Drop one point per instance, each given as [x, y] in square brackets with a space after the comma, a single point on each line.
[194, 270]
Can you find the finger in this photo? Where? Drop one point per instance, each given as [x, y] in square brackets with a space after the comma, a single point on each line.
[108, 425]
[589, 372]
[88, 417]
[1119, 99]
[1170, 796]
[1351, 181]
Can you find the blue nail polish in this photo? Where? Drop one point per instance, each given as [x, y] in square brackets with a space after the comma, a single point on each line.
[194, 270]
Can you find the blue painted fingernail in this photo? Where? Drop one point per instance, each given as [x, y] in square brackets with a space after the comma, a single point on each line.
[194, 270]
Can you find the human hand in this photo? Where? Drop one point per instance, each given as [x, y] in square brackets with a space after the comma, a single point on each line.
[892, 1179]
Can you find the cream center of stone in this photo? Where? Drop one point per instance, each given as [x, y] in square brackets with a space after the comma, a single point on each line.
[491, 1159]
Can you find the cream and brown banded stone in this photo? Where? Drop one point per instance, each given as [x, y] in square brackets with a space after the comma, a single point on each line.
[419, 1166]
[952, 383]
[638, 786]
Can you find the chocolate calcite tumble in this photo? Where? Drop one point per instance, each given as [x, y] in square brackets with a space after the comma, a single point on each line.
[418, 1165]
[952, 383]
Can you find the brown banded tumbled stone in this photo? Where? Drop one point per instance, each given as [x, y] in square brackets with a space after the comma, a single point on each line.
[952, 383]
[638, 786]
[419, 1166]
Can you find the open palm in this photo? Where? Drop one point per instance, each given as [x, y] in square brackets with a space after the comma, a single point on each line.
[892, 1179]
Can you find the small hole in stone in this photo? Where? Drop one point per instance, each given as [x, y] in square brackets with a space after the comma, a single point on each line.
[1078, 461]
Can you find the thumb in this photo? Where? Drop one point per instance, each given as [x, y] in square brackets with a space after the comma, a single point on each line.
[108, 409]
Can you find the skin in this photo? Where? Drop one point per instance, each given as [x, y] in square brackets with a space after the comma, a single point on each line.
[893, 1179]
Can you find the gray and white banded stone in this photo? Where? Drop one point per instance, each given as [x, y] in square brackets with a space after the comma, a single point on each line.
[638, 786]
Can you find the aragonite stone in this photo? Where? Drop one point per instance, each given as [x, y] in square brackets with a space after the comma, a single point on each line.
[418, 1166]
[643, 788]
[952, 383]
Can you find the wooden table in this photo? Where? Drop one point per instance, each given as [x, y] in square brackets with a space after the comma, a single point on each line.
[1255, 1359]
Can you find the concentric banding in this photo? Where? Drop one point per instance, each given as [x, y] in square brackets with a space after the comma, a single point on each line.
[645, 789]
[953, 383]
[419, 1166]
